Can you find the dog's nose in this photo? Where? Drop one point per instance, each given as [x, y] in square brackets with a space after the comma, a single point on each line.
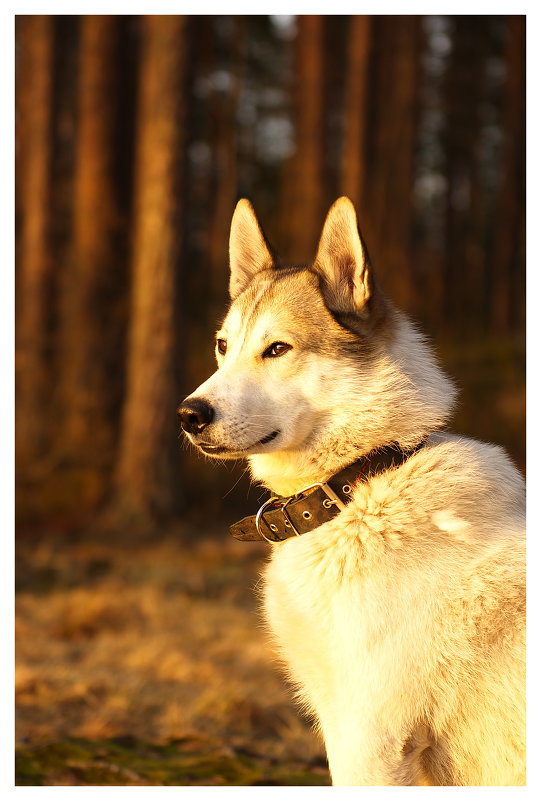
[195, 414]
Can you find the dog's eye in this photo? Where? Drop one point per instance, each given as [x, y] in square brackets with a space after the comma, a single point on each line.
[276, 349]
[221, 344]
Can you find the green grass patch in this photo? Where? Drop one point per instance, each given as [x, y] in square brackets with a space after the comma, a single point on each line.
[130, 762]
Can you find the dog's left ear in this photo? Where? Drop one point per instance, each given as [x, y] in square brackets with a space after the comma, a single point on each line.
[249, 251]
[342, 261]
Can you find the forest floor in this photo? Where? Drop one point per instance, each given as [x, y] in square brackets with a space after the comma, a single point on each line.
[146, 663]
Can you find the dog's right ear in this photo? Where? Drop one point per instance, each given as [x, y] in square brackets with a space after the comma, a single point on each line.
[249, 251]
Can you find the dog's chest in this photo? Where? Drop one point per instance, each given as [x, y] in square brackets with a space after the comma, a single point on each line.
[315, 607]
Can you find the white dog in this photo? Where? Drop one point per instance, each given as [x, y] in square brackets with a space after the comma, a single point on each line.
[395, 585]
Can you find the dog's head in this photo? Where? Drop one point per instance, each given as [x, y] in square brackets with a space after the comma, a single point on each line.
[306, 365]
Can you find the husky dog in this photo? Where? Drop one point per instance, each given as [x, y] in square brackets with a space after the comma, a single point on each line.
[400, 615]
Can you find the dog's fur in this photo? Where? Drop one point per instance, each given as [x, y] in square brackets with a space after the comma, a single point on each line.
[401, 621]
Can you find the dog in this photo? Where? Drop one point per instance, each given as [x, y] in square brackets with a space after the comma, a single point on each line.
[396, 600]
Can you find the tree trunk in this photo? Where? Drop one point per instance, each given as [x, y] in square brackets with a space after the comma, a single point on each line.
[463, 95]
[391, 175]
[382, 122]
[356, 111]
[145, 473]
[303, 208]
[224, 133]
[397, 230]
[34, 87]
[87, 308]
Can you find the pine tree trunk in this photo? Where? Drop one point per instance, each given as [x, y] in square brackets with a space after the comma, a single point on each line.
[399, 209]
[353, 181]
[382, 122]
[33, 277]
[145, 472]
[390, 177]
[463, 94]
[303, 207]
[225, 133]
[86, 324]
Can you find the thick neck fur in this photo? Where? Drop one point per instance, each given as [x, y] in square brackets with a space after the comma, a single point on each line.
[399, 395]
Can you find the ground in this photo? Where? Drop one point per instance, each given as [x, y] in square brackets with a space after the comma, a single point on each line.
[146, 663]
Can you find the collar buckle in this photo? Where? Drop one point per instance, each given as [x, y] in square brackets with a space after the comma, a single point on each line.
[259, 515]
[332, 499]
[289, 521]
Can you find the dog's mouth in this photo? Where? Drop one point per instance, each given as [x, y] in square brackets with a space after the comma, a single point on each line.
[219, 450]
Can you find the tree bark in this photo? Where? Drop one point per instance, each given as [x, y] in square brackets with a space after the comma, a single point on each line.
[390, 191]
[145, 472]
[33, 278]
[303, 207]
[87, 308]
[397, 230]
[356, 111]
[463, 95]
[225, 133]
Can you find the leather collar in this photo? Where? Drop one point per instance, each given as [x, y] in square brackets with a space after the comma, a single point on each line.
[280, 518]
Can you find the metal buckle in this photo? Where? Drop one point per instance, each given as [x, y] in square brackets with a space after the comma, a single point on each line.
[287, 517]
[258, 519]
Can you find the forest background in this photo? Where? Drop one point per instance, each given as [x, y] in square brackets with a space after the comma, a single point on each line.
[135, 136]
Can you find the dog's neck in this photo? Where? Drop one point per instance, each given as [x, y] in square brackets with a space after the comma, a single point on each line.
[287, 472]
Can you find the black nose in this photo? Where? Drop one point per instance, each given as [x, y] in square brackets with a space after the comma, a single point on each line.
[195, 414]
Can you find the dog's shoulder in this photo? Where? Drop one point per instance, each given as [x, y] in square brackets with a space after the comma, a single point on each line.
[474, 472]
[453, 490]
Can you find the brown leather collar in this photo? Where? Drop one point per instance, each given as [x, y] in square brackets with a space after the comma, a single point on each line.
[280, 518]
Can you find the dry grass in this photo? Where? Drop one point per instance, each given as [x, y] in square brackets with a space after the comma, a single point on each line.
[155, 641]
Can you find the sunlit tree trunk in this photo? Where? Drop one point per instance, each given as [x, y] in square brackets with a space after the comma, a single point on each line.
[87, 307]
[353, 168]
[304, 199]
[33, 277]
[145, 475]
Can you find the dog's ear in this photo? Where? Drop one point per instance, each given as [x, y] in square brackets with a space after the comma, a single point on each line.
[342, 261]
[249, 251]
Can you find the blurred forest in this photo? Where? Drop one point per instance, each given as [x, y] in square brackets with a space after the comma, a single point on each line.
[135, 137]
